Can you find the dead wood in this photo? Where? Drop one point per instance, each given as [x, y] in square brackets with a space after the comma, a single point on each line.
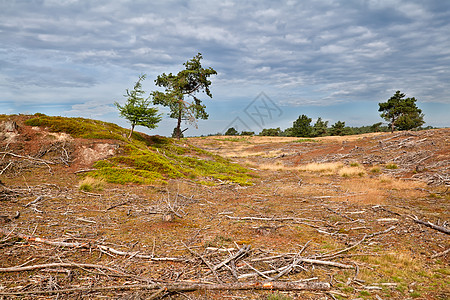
[325, 263]
[88, 245]
[241, 253]
[39, 198]
[260, 218]
[431, 225]
[117, 205]
[135, 254]
[58, 265]
[441, 253]
[207, 263]
[189, 286]
[84, 171]
[45, 241]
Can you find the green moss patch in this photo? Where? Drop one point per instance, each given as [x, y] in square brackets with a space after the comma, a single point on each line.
[146, 159]
[79, 127]
[156, 164]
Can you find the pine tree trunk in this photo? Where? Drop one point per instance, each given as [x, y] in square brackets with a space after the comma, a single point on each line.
[131, 132]
[178, 130]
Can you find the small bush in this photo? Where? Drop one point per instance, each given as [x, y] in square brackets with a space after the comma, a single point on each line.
[354, 164]
[391, 166]
[351, 171]
[90, 184]
[321, 167]
[375, 170]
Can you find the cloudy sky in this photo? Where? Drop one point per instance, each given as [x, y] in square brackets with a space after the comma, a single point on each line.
[275, 60]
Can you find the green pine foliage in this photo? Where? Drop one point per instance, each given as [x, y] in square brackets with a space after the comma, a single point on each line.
[137, 109]
[185, 84]
[401, 112]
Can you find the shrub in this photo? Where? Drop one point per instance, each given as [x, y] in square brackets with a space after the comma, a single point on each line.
[391, 166]
[89, 184]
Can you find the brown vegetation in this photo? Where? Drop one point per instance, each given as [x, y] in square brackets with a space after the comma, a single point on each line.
[324, 218]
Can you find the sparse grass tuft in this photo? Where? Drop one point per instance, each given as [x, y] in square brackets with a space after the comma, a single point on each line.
[323, 167]
[351, 172]
[391, 166]
[375, 170]
[89, 184]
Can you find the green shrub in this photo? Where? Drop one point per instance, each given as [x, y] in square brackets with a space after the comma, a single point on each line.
[391, 166]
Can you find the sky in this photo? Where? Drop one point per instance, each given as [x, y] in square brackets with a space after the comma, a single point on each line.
[275, 60]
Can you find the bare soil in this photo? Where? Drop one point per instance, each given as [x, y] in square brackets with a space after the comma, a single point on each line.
[361, 223]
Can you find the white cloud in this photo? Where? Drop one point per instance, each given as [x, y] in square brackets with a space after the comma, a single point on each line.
[319, 52]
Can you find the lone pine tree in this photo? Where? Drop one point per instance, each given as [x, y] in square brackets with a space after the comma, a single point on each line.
[137, 110]
[401, 113]
[187, 83]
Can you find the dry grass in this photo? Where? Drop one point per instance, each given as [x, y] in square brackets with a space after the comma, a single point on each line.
[89, 184]
[286, 187]
[352, 171]
[322, 167]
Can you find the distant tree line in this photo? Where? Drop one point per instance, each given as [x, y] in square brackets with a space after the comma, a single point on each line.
[401, 113]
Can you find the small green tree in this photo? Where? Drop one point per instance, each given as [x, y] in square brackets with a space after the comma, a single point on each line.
[337, 128]
[188, 82]
[137, 110]
[270, 132]
[249, 133]
[231, 131]
[302, 127]
[402, 113]
[320, 128]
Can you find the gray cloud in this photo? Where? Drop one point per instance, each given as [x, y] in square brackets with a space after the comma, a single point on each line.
[305, 52]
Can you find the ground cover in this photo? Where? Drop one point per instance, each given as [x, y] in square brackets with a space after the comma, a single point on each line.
[329, 214]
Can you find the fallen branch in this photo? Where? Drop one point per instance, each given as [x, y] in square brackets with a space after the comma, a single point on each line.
[431, 225]
[242, 251]
[189, 286]
[29, 157]
[135, 254]
[207, 263]
[88, 245]
[441, 253]
[39, 198]
[58, 265]
[260, 218]
[45, 241]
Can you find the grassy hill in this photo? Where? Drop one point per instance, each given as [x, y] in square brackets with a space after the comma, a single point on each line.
[146, 159]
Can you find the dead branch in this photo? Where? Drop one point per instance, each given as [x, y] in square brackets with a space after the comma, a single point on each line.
[344, 250]
[10, 163]
[84, 171]
[431, 225]
[189, 286]
[294, 263]
[242, 252]
[45, 241]
[117, 205]
[29, 157]
[325, 263]
[134, 254]
[260, 218]
[204, 260]
[39, 198]
[381, 232]
[87, 245]
[58, 265]
[441, 253]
